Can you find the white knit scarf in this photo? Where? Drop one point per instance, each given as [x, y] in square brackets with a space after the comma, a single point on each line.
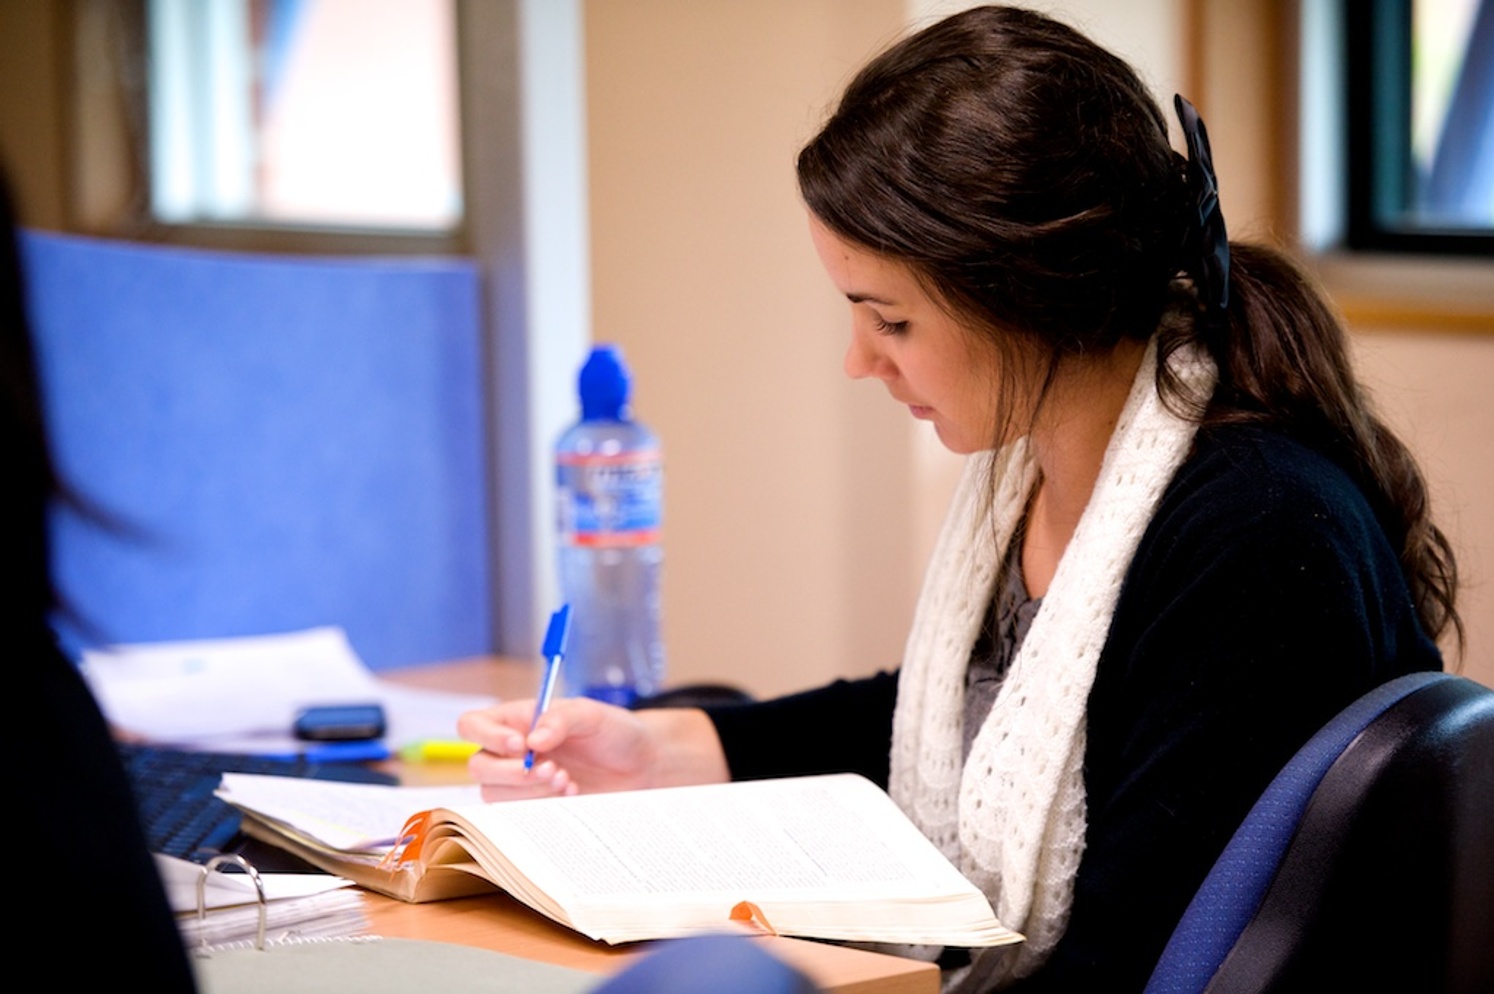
[1012, 817]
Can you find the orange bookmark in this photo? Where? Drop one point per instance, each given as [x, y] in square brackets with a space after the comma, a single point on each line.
[407, 847]
[750, 914]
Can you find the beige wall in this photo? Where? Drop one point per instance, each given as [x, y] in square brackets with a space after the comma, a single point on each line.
[1437, 391]
[788, 551]
[801, 506]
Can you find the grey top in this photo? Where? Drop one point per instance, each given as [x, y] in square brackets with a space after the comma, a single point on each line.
[1006, 625]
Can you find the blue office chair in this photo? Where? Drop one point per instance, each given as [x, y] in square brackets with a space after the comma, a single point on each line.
[1367, 865]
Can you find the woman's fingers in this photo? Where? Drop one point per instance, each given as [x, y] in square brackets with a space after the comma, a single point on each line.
[501, 730]
[578, 744]
[506, 779]
[503, 733]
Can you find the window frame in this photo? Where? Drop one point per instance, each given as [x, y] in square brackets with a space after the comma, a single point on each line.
[112, 172]
[1377, 39]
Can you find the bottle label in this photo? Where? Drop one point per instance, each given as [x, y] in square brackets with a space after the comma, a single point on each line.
[610, 501]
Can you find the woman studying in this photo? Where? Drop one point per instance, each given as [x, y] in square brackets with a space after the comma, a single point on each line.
[1182, 541]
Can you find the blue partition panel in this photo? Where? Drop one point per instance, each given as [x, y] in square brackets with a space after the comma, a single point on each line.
[288, 442]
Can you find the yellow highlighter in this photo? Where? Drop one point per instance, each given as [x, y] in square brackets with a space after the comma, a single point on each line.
[438, 751]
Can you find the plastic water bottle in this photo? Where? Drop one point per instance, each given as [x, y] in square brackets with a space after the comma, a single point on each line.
[610, 483]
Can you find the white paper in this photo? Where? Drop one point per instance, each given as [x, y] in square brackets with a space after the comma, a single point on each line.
[763, 837]
[242, 694]
[223, 890]
[305, 905]
[416, 713]
[352, 816]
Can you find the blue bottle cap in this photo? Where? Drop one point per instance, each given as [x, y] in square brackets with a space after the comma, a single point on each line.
[604, 385]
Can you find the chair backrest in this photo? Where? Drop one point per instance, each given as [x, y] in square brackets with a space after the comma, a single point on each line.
[289, 442]
[1368, 864]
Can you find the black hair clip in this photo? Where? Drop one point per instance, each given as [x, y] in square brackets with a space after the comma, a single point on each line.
[1206, 243]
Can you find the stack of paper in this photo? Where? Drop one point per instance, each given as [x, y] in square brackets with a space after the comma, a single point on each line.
[297, 905]
[242, 694]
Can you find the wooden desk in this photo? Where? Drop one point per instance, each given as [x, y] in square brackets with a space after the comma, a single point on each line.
[495, 675]
[499, 923]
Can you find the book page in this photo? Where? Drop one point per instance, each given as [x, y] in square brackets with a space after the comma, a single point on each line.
[766, 837]
[825, 856]
[348, 816]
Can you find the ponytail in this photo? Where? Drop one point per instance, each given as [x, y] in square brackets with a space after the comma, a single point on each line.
[1284, 360]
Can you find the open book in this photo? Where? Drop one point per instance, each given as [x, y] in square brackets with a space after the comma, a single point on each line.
[829, 857]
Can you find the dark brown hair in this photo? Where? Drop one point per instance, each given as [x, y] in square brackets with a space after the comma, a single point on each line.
[1024, 174]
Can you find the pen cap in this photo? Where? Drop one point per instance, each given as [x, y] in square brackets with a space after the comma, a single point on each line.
[558, 634]
[604, 385]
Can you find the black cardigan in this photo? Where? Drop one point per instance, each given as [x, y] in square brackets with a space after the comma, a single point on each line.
[1263, 598]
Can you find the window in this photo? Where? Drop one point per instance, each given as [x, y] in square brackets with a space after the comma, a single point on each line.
[1419, 125]
[309, 113]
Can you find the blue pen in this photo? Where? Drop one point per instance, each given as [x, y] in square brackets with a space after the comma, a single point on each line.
[553, 650]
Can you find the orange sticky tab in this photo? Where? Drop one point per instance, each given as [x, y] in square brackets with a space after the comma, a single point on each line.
[407, 847]
[750, 914]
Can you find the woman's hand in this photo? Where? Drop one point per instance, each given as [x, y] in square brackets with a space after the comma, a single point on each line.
[585, 745]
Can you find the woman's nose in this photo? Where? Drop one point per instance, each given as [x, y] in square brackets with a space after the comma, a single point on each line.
[863, 359]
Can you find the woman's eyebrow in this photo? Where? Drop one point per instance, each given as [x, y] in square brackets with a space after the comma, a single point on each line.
[867, 298]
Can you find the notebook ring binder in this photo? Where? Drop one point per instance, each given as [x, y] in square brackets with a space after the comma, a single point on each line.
[259, 888]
